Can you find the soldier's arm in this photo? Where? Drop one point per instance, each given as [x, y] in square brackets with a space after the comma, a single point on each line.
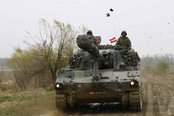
[117, 45]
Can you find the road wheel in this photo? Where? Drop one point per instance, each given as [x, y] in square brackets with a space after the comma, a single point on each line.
[135, 101]
[61, 102]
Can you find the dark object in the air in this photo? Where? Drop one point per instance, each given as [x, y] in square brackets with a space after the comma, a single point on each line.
[108, 15]
[111, 10]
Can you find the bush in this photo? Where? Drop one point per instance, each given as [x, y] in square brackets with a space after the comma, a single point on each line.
[162, 66]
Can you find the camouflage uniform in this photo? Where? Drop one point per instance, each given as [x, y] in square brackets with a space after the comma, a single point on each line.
[89, 32]
[96, 39]
[122, 46]
[123, 43]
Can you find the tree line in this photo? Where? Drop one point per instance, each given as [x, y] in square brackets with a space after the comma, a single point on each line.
[158, 63]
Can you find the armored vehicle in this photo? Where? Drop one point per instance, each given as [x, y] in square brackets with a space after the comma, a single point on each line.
[97, 75]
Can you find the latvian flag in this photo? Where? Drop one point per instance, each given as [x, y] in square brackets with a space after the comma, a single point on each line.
[112, 40]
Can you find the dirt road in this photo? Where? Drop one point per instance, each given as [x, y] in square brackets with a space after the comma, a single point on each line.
[158, 96]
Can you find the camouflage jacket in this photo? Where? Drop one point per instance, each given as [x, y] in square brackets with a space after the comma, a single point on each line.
[123, 43]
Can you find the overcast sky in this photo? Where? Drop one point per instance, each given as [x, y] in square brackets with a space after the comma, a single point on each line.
[149, 23]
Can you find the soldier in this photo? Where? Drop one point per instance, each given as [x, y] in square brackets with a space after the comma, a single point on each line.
[95, 40]
[123, 42]
[92, 40]
[122, 46]
[86, 42]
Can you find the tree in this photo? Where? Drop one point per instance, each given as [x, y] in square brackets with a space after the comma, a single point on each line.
[22, 67]
[48, 53]
[56, 45]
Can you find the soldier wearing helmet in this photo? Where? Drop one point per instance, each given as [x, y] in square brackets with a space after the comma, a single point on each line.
[89, 32]
[123, 42]
[94, 39]
[122, 46]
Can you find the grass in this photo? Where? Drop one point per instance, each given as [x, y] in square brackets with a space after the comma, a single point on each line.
[5, 98]
[26, 103]
[7, 112]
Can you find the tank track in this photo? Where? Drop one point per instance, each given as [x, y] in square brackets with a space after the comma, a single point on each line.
[135, 101]
[61, 102]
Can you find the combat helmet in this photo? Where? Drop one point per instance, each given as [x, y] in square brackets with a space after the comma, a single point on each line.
[89, 32]
[123, 33]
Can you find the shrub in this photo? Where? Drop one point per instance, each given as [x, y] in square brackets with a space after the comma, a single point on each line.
[162, 66]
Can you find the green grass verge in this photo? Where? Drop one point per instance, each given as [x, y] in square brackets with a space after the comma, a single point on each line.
[6, 98]
[7, 111]
[24, 105]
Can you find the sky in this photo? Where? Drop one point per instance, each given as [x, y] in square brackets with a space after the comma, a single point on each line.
[149, 23]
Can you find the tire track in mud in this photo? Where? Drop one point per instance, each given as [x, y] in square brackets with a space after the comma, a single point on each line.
[147, 93]
[169, 106]
[159, 100]
[156, 101]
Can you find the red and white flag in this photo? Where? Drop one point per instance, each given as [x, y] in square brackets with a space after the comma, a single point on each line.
[112, 40]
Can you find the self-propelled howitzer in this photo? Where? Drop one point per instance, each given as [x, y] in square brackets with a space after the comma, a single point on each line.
[93, 77]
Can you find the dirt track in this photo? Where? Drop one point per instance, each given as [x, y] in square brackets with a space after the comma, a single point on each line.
[158, 96]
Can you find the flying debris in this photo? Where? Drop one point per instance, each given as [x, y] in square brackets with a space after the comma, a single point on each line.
[108, 15]
[111, 10]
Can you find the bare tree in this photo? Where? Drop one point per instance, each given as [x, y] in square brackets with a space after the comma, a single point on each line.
[48, 52]
[56, 44]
